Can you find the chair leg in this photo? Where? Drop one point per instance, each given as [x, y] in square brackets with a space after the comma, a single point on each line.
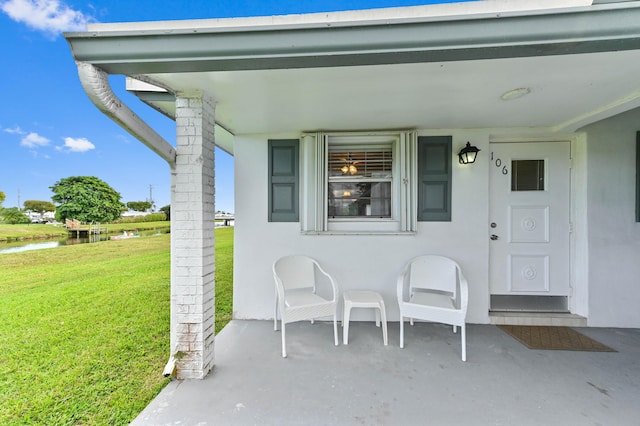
[275, 316]
[284, 348]
[345, 323]
[401, 332]
[383, 318]
[335, 329]
[463, 339]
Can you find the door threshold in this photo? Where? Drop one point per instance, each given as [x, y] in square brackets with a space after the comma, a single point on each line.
[537, 318]
[528, 303]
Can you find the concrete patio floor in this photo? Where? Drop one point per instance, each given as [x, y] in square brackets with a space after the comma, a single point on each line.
[426, 383]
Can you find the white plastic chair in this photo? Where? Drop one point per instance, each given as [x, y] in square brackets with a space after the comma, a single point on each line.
[296, 298]
[433, 288]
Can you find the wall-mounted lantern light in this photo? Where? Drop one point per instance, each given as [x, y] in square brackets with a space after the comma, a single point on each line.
[467, 155]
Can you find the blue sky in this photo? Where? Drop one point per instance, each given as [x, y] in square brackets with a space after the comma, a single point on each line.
[50, 130]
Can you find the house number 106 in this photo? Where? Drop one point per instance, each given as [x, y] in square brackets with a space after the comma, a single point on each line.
[498, 163]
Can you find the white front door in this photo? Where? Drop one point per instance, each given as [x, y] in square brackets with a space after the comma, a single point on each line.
[529, 219]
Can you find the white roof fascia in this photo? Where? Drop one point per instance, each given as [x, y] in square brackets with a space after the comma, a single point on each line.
[395, 14]
[607, 27]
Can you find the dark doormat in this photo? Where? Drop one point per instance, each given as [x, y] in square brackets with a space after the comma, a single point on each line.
[554, 338]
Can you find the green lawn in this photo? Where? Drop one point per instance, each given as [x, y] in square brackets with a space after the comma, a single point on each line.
[39, 231]
[117, 228]
[30, 231]
[85, 329]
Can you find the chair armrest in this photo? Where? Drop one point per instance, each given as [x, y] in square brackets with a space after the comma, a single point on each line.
[334, 285]
[401, 286]
[463, 291]
[279, 287]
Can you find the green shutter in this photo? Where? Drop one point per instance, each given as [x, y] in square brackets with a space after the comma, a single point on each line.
[284, 172]
[434, 178]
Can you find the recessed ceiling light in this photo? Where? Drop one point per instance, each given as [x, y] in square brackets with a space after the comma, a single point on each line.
[515, 93]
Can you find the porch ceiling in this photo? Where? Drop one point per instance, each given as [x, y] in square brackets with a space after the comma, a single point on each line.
[566, 92]
[414, 70]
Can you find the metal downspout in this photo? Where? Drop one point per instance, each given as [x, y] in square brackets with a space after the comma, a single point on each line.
[95, 83]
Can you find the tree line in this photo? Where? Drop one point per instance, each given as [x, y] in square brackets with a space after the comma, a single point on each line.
[84, 198]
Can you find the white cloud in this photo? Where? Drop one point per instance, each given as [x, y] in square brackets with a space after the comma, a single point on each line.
[16, 130]
[78, 145]
[50, 16]
[33, 140]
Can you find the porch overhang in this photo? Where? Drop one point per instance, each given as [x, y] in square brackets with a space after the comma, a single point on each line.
[611, 27]
[277, 64]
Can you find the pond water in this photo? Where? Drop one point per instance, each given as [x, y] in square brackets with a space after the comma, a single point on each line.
[19, 246]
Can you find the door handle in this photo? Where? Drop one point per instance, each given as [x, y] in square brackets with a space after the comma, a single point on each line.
[494, 237]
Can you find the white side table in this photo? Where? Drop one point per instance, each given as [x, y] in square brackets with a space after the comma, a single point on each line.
[363, 299]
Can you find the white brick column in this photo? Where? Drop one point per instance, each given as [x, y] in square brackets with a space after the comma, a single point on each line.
[192, 237]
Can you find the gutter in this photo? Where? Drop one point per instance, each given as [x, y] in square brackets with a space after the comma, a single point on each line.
[95, 83]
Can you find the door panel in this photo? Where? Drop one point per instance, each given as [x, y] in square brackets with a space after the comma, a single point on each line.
[529, 213]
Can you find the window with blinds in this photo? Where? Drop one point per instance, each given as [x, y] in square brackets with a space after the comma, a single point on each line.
[360, 180]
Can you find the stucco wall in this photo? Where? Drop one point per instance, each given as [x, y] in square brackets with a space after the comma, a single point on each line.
[614, 236]
[357, 261]
[605, 249]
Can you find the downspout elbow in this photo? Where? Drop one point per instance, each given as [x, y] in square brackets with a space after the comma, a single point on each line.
[170, 368]
[96, 85]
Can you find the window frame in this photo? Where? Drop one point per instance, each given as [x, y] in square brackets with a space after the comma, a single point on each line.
[315, 183]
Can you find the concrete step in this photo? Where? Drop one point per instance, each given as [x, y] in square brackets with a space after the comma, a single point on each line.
[537, 318]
